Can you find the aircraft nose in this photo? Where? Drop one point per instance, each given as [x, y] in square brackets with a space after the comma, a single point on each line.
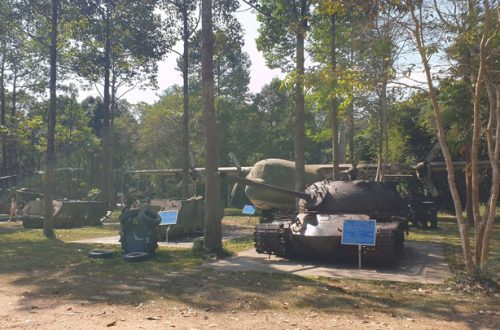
[254, 196]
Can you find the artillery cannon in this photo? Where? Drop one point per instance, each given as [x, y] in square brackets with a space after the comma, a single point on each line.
[316, 231]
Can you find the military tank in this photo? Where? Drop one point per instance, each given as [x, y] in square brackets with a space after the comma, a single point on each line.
[316, 231]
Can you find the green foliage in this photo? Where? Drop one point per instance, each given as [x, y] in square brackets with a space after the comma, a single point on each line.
[279, 24]
[398, 145]
[274, 125]
[231, 63]
[410, 121]
[159, 135]
[136, 37]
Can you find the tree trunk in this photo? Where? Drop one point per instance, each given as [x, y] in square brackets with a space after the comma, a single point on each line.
[335, 106]
[299, 145]
[350, 132]
[107, 180]
[378, 174]
[342, 141]
[493, 140]
[13, 150]
[467, 78]
[48, 223]
[13, 111]
[3, 168]
[468, 185]
[213, 214]
[383, 140]
[185, 104]
[481, 223]
[462, 223]
[113, 97]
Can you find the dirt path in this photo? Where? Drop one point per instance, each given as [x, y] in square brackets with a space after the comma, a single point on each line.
[25, 307]
[20, 313]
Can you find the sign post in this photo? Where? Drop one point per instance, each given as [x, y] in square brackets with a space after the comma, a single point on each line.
[168, 218]
[359, 232]
[248, 210]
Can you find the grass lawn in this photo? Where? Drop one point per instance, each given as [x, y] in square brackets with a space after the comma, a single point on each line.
[449, 238]
[58, 268]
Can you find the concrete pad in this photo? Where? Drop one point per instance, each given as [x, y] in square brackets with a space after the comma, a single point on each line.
[420, 263]
[115, 240]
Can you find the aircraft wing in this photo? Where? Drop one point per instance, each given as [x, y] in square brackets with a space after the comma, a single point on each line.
[325, 170]
[178, 171]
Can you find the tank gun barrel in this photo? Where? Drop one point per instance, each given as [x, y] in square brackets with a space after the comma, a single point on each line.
[248, 182]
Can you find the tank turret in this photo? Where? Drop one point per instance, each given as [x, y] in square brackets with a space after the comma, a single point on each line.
[361, 196]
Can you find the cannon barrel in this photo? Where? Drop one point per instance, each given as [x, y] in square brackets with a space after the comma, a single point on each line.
[248, 182]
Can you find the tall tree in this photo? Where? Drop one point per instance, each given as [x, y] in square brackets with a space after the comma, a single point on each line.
[463, 21]
[483, 222]
[5, 28]
[213, 227]
[231, 63]
[126, 42]
[48, 224]
[334, 26]
[282, 34]
[186, 13]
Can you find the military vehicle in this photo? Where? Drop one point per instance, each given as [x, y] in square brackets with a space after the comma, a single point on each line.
[190, 218]
[67, 213]
[316, 231]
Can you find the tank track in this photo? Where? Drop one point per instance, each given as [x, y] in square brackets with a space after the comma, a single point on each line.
[273, 238]
[389, 243]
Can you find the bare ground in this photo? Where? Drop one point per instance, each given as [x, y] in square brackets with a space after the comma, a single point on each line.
[26, 309]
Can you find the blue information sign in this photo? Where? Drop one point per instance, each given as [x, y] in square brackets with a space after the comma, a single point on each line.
[168, 217]
[359, 232]
[249, 209]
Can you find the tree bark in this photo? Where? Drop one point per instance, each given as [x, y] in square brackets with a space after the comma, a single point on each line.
[185, 103]
[335, 106]
[213, 214]
[48, 223]
[467, 77]
[468, 185]
[13, 110]
[383, 135]
[380, 144]
[299, 145]
[493, 140]
[350, 132]
[13, 150]
[107, 180]
[480, 222]
[3, 168]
